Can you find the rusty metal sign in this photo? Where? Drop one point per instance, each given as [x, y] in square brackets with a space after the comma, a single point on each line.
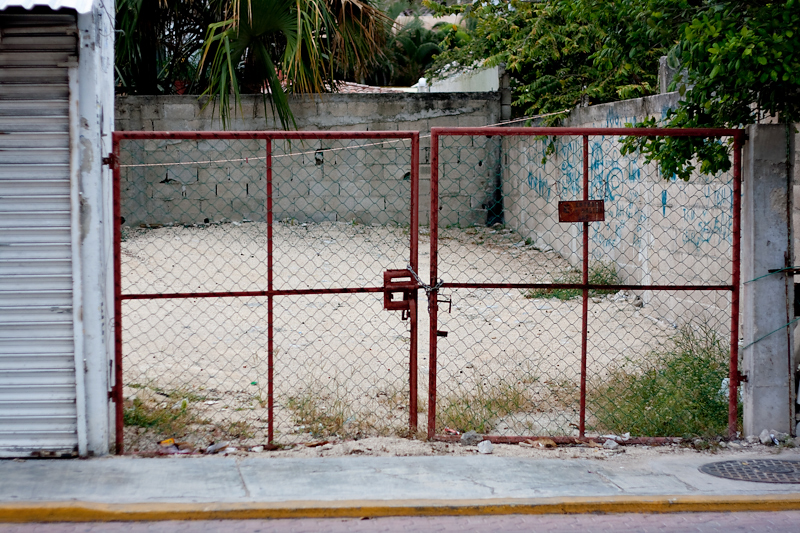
[582, 211]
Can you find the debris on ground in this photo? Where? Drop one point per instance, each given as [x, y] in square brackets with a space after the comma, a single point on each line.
[485, 447]
[470, 438]
[769, 437]
[171, 447]
[218, 447]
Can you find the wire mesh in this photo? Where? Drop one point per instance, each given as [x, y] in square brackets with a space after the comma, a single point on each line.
[241, 330]
[656, 360]
[206, 279]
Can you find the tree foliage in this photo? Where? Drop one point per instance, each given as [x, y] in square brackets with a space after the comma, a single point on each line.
[227, 47]
[563, 53]
[740, 62]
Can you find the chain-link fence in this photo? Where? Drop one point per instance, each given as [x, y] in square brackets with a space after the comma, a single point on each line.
[568, 318]
[267, 288]
[251, 275]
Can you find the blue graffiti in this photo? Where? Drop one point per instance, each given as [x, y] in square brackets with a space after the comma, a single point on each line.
[707, 228]
[539, 185]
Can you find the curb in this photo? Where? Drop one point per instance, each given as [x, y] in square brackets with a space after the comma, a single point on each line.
[20, 512]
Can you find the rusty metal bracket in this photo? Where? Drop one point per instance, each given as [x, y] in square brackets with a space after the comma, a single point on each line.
[110, 160]
[398, 283]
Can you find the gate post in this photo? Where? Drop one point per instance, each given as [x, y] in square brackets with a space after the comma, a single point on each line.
[767, 360]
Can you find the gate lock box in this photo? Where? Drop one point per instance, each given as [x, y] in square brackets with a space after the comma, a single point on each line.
[398, 283]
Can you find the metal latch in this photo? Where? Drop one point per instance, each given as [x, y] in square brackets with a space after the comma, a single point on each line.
[398, 290]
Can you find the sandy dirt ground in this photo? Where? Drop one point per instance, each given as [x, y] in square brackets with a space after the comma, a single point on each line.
[341, 362]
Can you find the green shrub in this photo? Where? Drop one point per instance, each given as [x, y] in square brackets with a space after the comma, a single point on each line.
[673, 391]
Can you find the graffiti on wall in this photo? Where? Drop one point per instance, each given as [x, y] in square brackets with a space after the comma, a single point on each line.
[638, 200]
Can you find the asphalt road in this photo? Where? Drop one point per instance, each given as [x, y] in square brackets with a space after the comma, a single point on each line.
[763, 522]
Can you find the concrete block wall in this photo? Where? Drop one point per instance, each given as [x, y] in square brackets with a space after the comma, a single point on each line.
[468, 167]
[657, 231]
[369, 185]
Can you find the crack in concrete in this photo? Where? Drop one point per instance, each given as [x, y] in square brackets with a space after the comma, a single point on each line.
[606, 479]
[241, 478]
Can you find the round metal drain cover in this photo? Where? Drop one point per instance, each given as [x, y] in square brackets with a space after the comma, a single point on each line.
[760, 470]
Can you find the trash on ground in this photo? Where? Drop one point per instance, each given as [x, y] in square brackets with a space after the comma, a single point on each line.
[619, 438]
[218, 447]
[485, 446]
[470, 438]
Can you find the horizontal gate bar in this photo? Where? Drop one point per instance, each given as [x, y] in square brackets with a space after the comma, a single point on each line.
[354, 290]
[306, 135]
[590, 286]
[620, 132]
[291, 292]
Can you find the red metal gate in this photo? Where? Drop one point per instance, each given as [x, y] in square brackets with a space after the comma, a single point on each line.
[222, 235]
[596, 279]
[565, 279]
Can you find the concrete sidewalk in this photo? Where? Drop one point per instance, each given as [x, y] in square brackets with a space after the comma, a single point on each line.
[128, 488]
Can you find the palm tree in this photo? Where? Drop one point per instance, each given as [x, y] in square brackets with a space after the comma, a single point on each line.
[274, 46]
[224, 47]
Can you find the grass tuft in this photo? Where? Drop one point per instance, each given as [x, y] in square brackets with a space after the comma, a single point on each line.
[322, 415]
[478, 408]
[162, 420]
[600, 273]
[674, 391]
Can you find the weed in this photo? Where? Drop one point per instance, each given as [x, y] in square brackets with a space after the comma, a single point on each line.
[600, 273]
[674, 391]
[476, 409]
[239, 430]
[161, 420]
[321, 414]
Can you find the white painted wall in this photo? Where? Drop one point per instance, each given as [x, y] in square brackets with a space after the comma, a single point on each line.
[95, 123]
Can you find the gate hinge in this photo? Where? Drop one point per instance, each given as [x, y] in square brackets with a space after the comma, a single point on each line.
[110, 160]
[741, 378]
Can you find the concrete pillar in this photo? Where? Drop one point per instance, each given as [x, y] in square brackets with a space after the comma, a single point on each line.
[766, 245]
[505, 95]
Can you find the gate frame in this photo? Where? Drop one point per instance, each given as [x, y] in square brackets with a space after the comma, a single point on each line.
[735, 377]
[114, 160]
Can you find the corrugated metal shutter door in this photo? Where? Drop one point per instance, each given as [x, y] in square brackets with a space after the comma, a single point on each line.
[38, 410]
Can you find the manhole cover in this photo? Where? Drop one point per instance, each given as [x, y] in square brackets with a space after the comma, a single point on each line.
[761, 470]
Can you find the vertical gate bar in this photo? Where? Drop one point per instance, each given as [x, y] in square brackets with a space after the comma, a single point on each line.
[270, 298]
[433, 295]
[116, 220]
[413, 261]
[585, 291]
[733, 380]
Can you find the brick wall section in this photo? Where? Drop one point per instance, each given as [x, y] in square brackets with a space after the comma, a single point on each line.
[369, 185]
